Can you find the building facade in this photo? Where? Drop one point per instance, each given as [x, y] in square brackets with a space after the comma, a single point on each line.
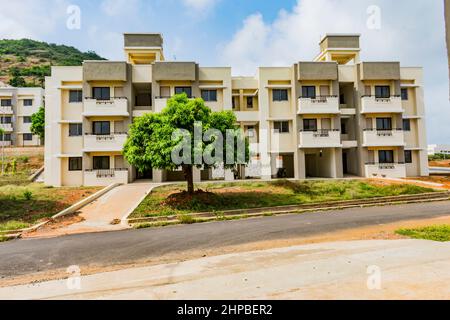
[17, 105]
[331, 117]
[443, 149]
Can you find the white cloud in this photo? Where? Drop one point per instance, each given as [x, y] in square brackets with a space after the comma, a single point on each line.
[31, 18]
[200, 5]
[294, 35]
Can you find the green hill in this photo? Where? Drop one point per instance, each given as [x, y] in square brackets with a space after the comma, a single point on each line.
[26, 62]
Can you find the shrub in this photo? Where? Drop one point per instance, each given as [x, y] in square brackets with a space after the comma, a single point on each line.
[186, 219]
[28, 195]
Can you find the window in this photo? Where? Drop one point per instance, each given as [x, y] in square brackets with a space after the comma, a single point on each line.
[233, 102]
[384, 124]
[5, 137]
[28, 102]
[280, 95]
[382, 92]
[75, 96]
[6, 103]
[101, 93]
[309, 124]
[5, 120]
[101, 128]
[309, 92]
[75, 129]
[249, 102]
[209, 95]
[101, 163]
[344, 123]
[386, 156]
[187, 90]
[408, 156]
[406, 124]
[76, 164]
[404, 94]
[27, 137]
[281, 126]
[26, 119]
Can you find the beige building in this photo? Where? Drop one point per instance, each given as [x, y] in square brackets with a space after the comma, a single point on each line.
[332, 117]
[17, 105]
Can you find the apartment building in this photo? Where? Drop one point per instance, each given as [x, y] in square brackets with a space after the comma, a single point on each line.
[331, 117]
[17, 105]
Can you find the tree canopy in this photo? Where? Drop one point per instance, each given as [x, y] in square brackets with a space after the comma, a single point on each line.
[38, 123]
[186, 134]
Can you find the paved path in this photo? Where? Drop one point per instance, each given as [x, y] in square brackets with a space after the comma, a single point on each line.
[400, 269]
[27, 256]
[98, 215]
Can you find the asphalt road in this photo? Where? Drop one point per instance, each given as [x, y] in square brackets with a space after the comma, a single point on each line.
[21, 257]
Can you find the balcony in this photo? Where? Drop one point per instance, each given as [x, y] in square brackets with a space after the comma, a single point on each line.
[5, 143]
[385, 170]
[99, 178]
[383, 138]
[320, 139]
[112, 107]
[372, 104]
[6, 110]
[105, 143]
[319, 105]
[7, 127]
[247, 116]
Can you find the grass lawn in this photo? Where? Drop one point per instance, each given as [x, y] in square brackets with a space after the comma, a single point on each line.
[216, 197]
[23, 203]
[436, 233]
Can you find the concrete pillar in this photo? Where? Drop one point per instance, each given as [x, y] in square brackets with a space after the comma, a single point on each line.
[197, 174]
[158, 176]
[229, 175]
[339, 171]
[301, 170]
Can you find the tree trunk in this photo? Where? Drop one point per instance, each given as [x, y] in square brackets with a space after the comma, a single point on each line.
[189, 176]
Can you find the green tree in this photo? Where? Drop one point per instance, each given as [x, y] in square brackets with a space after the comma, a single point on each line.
[38, 123]
[151, 143]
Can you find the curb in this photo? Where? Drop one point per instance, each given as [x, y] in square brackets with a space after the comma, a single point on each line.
[72, 209]
[274, 211]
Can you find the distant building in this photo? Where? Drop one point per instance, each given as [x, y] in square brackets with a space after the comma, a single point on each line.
[17, 105]
[438, 149]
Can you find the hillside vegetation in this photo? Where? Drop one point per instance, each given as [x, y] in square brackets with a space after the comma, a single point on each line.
[27, 62]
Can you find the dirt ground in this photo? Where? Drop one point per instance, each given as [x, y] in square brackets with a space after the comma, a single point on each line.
[444, 180]
[379, 232]
[440, 163]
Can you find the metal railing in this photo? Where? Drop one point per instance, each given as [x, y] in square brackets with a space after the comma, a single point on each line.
[106, 173]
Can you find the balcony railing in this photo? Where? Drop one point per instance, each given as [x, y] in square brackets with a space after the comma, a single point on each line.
[110, 142]
[380, 138]
[6, 110]
[318, 104]
[105, 177]
[117, 106]
[325, 138]
[389, 170]
[373, 104]
[7, 127]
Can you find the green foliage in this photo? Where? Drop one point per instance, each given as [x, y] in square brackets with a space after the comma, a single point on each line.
[38, 123]
[47, 55]
[14, 166]
[150, 143]
[27, 195]
[434, 233]
[439, 156]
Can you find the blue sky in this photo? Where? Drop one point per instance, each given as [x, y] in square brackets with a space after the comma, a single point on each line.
[247, 33]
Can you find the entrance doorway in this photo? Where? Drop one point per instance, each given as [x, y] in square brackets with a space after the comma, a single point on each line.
[145, 175]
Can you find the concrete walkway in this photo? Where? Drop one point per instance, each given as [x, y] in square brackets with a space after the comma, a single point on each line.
[98, 216]
[400, 269]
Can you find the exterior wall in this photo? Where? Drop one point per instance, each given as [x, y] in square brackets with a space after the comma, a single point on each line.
[297, 153]
[18, 111]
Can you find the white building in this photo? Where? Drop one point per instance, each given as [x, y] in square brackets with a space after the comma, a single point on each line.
[434, 149]
[17, 105]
